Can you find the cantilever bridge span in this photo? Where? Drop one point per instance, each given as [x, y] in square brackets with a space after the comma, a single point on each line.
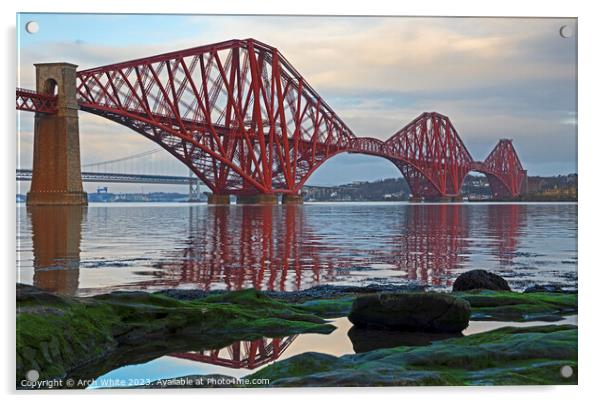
[240, 116]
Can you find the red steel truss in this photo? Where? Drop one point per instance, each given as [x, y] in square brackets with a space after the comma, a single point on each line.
[431, 156]
[240, 116]
[237, 113]
[504, 170]
[242, 354]
[32, 101]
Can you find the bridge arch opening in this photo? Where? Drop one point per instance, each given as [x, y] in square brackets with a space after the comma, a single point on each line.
[353, 168]
[50, 87]
[476, 186]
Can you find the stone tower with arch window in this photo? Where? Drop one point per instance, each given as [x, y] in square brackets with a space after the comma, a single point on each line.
[56, 178]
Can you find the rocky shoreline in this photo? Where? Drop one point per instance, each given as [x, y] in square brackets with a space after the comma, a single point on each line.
[59, 336]
[508, 356]
[63, 337]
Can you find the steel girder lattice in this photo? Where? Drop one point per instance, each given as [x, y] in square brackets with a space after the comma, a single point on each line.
[431, 156]
[237, 113]
[504, 170]
[240, 116]
[32, 101]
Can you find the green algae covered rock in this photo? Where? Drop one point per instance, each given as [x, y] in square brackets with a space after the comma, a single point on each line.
[427, 312]
[507, 356]
[85, 337]
[485, 305]
[514, 306]
[328, 308]
[56, 335]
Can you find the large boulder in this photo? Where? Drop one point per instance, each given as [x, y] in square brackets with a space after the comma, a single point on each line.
[480, 280]
[425, 312]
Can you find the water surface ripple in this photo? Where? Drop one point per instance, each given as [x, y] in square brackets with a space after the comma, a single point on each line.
[147, 246]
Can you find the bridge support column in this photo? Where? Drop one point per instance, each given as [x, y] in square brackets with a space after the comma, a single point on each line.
[444, 199]
[439, 199]
[56, 177]
[292, 199]
[257, 199]
[217, 199]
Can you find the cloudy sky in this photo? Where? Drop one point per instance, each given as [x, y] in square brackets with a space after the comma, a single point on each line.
[511, 78]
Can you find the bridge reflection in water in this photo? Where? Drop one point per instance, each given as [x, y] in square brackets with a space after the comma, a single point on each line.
[293, 247]
[431, 241]
[506, 226]
[255, 246]
[56, 238]
[242, 354]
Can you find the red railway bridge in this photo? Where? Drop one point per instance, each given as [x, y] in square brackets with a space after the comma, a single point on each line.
[240, 116]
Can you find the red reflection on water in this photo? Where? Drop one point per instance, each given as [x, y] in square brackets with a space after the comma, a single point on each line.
[247, 247]
[433, 242]
[292, 247]
[56, 238]
[242, 354]
[262, 248]
[505, 224]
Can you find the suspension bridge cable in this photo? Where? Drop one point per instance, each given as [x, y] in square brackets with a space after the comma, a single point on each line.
[126, 158]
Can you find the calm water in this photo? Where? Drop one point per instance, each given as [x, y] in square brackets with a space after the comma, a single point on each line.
[113, 246]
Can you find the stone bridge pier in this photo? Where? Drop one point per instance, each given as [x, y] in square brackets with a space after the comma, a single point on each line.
[56, 178]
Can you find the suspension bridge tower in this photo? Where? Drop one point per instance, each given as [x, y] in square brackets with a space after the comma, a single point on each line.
[56, 178]
[194, 188]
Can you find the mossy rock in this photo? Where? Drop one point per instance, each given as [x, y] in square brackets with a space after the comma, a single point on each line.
[57, 335]
[514, 306]
[517, 356]
[67, 336]
[328, 308]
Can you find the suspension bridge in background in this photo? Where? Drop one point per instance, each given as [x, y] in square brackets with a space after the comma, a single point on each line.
[121, 170]
[244, 121]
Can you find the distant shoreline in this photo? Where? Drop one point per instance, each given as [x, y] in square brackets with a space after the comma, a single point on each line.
[22, 202]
